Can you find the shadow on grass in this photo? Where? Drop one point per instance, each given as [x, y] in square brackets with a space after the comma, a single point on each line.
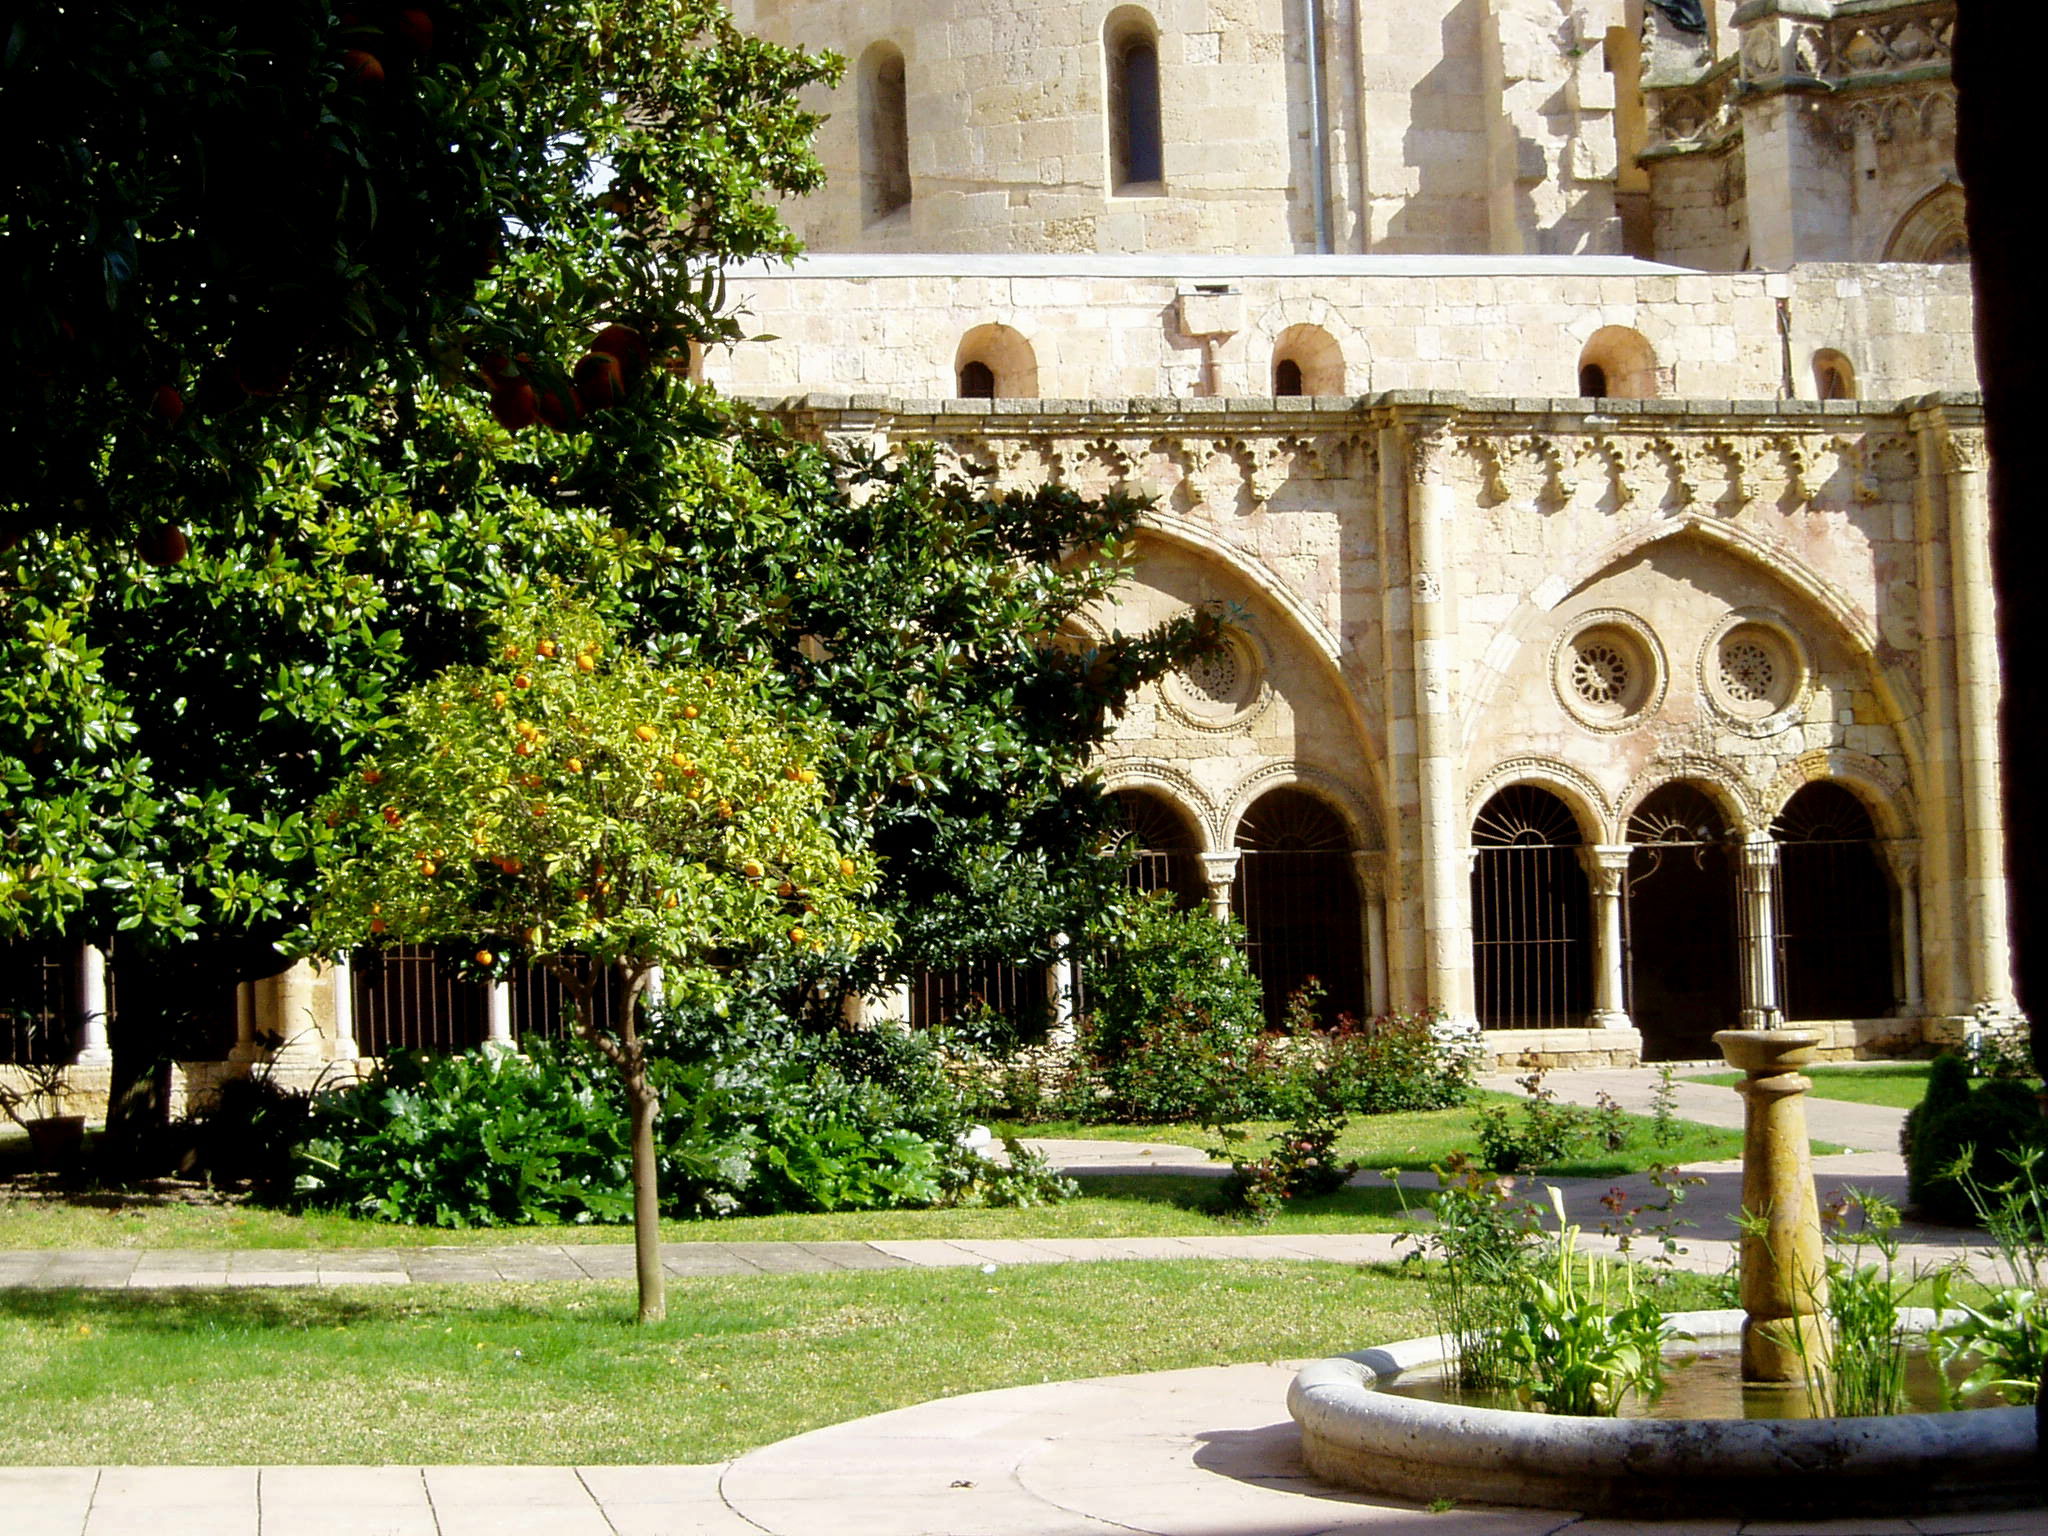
[1203, 1194]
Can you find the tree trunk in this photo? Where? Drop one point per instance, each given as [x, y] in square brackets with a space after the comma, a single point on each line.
[646, 1201]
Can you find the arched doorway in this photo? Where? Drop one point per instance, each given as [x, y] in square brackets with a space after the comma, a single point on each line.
[1297, 895]
[1532, 946]
[1165, 853]
[1684, 976]
[1835, 909]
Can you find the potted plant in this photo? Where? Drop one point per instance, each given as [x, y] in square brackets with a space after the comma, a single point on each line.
[55, 1138]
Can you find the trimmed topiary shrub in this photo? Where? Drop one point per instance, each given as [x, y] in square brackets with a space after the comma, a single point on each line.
[1993, 1123]
[1948, 1084]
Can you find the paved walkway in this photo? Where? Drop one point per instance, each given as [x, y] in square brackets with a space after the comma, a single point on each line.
[1207, 1452]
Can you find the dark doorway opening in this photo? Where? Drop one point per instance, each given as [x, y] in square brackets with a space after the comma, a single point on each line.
[1684, 976]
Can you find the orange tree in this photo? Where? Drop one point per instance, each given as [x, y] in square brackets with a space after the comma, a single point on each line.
[576, 805]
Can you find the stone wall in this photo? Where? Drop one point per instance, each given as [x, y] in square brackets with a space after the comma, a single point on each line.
[1143, 327]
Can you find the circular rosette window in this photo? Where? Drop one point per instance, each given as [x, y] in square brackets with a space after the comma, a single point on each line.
[1753, 672]
[1221, 690]
[1609, 671]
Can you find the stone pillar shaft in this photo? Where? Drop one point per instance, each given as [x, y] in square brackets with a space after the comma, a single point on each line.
[1446, 936]
[92, 1049]
[1760, 1004]
[498, 1018]
[345, 1047]
[1977, 684]
[1606, 867]
[1785, 1334]
[1370, 869]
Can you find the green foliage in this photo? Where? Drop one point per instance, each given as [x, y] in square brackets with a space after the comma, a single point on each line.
[1578, 1342]
[1479, 1248]
[756, 1118]
[1161, 960]
[1999, 1344]
[573, 800]
[222, 218]
[1998, 1122]
[1393, 1064]
[1545, 1131]
[1024, 1179]
[1301, 1164]
[1866, 1372]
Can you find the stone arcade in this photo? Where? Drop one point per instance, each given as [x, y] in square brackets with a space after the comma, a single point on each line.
[1577, 407]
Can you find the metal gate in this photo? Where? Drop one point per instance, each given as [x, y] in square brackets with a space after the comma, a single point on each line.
[1836, 955]
[1684, 925]
[1532, 957]
[1296, 893]
[405, 999]
[39, 1002]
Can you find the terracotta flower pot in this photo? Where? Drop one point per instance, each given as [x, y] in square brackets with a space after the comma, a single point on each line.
[57, 1141]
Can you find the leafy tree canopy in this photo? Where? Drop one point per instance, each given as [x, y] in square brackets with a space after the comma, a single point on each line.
[220, 218]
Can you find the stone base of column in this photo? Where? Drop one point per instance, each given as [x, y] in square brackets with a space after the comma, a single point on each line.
[93, 1056]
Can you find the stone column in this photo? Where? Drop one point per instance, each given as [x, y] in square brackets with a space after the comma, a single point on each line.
[1759, 940]
[1606, 866]
[1905, 862]
[654, 991]
[1059, 991]
[1370, 868]
[1219, 872]
[92, 1048]
[1446, 890]
[1784, 1270]
[296, 996]
[247, 1047]
[498, 1019]
[344, 981]
[1977, 684]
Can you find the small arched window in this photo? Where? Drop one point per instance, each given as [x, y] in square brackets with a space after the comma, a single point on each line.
[1834, 376]
[884, 133]
[1617, 364]
[1307, 361]
[1130, 44]
[995, 362]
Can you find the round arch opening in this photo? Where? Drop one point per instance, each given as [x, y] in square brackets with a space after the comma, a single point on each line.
[1532, 941]
[1682, 924]
[997, 363]
[1307, 361]
[1617, 363]
[1837, 955]
[1297, 895]
[1164, 847]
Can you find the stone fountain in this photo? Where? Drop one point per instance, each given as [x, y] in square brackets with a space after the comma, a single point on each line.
[1356, 1435]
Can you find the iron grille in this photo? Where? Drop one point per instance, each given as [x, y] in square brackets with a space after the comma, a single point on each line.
[38, 1002]
[1532, 956]
[1837, 958]
[406, 999]
[1296, 893]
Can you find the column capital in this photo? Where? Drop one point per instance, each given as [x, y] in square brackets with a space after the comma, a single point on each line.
[1759, 852]
[1370, 866]
[1219, 870]
[1963, 451]
[1606, 866]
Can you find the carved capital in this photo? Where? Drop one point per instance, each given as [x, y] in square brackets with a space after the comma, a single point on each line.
[1606, 866]
[1430, 446]
[1219, 870]
[1964, 453]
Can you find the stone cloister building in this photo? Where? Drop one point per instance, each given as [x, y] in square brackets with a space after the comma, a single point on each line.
[1572, 400]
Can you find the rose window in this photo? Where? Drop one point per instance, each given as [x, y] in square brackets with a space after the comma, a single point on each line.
[1215, 678]
[1747, 672]
[1600, 673]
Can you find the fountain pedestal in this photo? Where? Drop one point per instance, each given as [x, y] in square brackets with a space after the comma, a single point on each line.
[1784, 1269]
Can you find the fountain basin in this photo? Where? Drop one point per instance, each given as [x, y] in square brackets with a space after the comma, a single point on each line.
[1922, 1463]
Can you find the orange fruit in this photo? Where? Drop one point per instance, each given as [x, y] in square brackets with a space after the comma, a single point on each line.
[485, 958]
[574, 765]
[689, 711]
[644, 732]
[585, 664]
[752, 870]
[498, 698]
[522, 681]
[848, 871]
[546, 648]
[373, 776]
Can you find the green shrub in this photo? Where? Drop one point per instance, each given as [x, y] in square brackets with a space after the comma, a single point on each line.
[1389, 1066]
[1997, 1122]
[1948, 1084]
[756, 1117]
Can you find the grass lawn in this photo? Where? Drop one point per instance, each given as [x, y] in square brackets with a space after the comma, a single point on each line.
[558, 1373]
[1899, 1084]
[1419, 1139]
[1135, 1205]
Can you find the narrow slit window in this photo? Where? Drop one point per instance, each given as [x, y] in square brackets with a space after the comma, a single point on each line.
[884, 134]
[1136, 141]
